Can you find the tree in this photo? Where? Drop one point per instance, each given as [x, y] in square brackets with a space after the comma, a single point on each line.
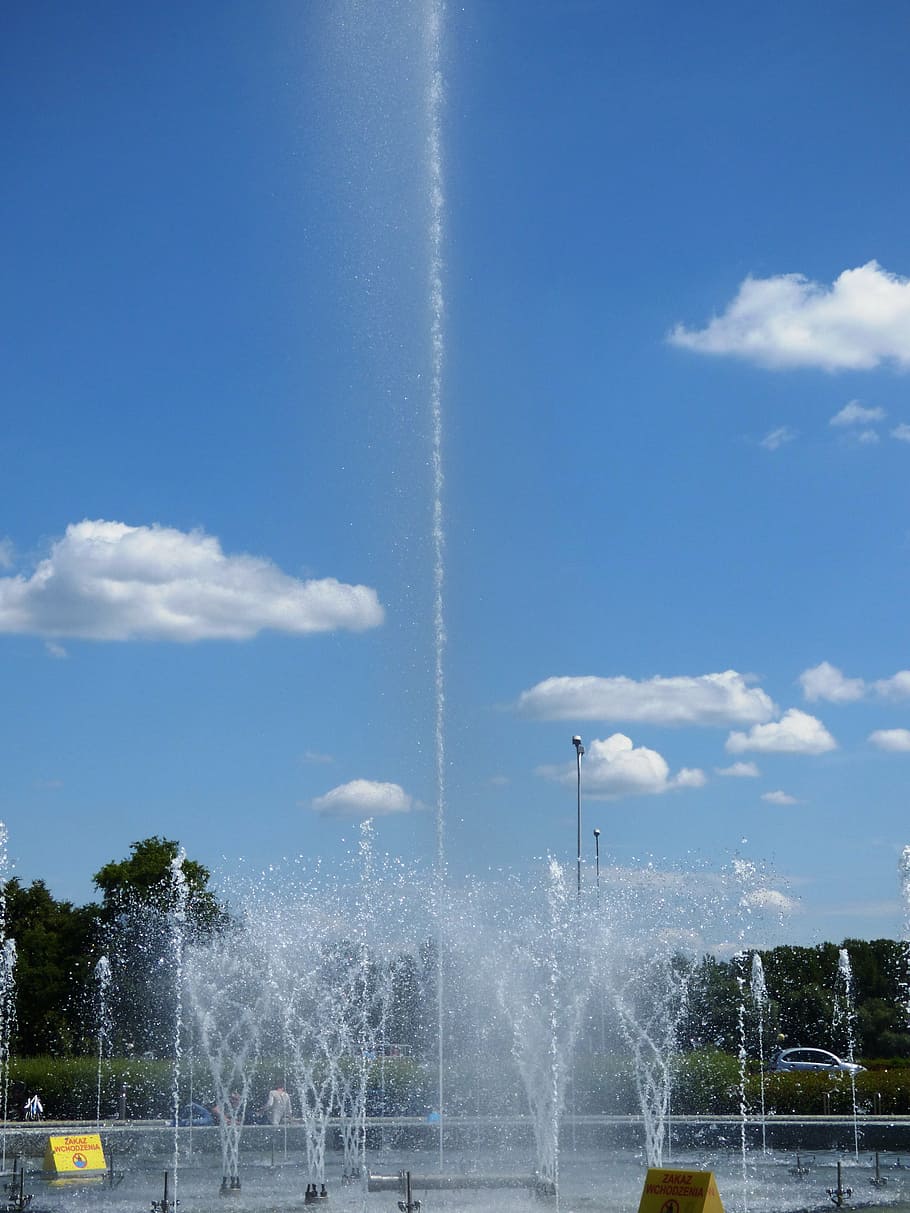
[146, 880]
[143, 936]
[55, 945]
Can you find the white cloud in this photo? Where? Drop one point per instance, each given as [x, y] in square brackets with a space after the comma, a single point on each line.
[705, 699]
[895, 740]
[826, 681]
[855, 413]
[739, 770]
[7, 553]
[901, 432]
[365, 798]
[769, 899]
[55, 650]
[895, 687]
[615, 767]
[795, 733]
[860, 321]
[779, 797]
[775, 439]
[868, 437]
[316, 758]
[109, 581]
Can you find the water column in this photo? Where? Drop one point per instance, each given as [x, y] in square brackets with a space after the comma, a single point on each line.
[845, 1019]
[904, 869]
[383, 151]
[759, 992]
[739, 972]
[177, 924]
[434, 18]
[7, 991]
[104, 1020]
[7, 1022]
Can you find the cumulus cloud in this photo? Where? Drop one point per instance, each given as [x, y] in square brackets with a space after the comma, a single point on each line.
[739, 770]
[826, 681]
[779, 797]
[705, 699]
[365, 798]
[857, 323]
[901, 432]
[7, 553]
[775, 439]
[616, 767]
[868, 437]
[795, 733]
[895, 687]
[895, 740]
[110, 581]
[855, 413]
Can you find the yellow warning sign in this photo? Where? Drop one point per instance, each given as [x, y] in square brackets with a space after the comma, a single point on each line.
[74, 1156]
[680, 1192]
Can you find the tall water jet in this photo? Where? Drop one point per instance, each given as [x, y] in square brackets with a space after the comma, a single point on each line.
[386, 155]
[177, 940]
[904, 869]
[104, 1023]
[845, 1023]
[742, 1054]
[436, 194]
[7, 1024]
[760, 1001]
[7, 993]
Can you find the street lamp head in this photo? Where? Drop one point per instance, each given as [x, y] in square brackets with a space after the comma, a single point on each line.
[579, 748]
[597, 833]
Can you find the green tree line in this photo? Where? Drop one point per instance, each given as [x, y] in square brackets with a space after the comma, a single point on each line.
[801, 986]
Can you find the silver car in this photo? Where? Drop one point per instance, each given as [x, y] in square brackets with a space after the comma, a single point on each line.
[818, 1061]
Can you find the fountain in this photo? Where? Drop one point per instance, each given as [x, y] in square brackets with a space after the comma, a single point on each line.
[539, 967]
[228, 1000]
[318, 972]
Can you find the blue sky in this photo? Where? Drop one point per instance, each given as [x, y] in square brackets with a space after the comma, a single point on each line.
[676, 437]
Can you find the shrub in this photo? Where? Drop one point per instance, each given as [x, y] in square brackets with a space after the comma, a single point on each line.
[68, 1086]
[706, 1080]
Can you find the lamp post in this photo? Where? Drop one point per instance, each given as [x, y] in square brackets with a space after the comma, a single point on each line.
[597, 861]
[579, 750]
